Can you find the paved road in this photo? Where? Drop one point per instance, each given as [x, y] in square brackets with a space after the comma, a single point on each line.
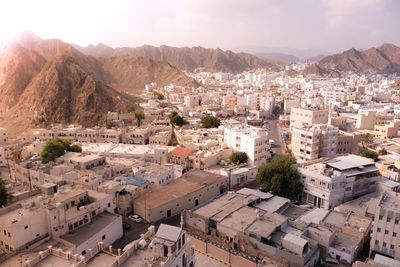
[139, 228]
[275, 134]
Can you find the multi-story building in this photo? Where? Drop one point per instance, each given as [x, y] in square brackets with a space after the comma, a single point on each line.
[367, 119]
[387, 131]
[191, 101]
[300, 117]
[251, 140]
[313, 142]
[288, 104]
[329, 183]
[386, 230]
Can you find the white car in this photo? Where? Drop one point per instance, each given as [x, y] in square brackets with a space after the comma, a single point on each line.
[135, 218]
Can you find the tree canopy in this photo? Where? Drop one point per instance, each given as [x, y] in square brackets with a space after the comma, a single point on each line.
[56, 148]
[238, 157]
[280, 177]
[210, 122]
[3, 193]
[369, 154]
[176, 119]
[139, 116]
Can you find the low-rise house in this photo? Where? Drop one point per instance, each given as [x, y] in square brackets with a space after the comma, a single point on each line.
[190, 190]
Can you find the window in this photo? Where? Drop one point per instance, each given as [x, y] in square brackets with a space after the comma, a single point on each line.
[391, 246]
[386, 232]
[380, 217]
[83, 252]
[26, 226]
[394, 234]
[378, 230]
[384, 244]
[109, 205]
[388, 219]
[396, 221]
[103, 237]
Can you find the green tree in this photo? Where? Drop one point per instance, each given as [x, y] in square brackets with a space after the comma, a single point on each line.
[280, 177]
[3, 193]
[56, 148]
[210, 122]
[238, 157]
[139, 116]
[176, 119]
[369, 154]
[109, 124]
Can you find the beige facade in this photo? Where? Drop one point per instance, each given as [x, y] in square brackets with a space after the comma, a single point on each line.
[192, 189]
[288, 104]
[300, 117]
[387, 131]
[160, 138]
[367, 119]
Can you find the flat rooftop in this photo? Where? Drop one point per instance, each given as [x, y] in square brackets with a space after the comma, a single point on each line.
[293, 212]
[122, 149]
[87, 231]
[314, 216]
[390, 201]
[240, 219]
[364, 205]
[221, 207]
[190, 182]
[273, 204]
[102, 259]
[336, 219]
[348, 162]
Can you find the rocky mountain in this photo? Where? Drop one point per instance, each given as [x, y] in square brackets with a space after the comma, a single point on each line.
[278, 58]
[187, 58]
[49, 81]
[382, 59]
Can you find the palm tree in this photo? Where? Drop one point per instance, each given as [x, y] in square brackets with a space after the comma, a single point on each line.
[139, 116]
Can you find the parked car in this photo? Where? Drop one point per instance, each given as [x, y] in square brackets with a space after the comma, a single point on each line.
[135, 218]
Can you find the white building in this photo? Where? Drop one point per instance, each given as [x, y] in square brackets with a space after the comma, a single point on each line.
[329, 183]
[251, 140]
[313, 142]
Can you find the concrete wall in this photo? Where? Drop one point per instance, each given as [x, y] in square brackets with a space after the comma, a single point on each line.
[220, 253]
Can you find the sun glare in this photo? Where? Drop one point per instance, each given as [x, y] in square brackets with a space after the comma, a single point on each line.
[73, 20]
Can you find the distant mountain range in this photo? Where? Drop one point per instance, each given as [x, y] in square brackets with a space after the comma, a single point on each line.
[383, 59]
[186, 58]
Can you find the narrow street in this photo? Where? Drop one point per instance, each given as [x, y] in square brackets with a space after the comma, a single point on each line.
[274, 133]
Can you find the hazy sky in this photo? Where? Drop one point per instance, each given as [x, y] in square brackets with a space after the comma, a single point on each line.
[328, 24]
